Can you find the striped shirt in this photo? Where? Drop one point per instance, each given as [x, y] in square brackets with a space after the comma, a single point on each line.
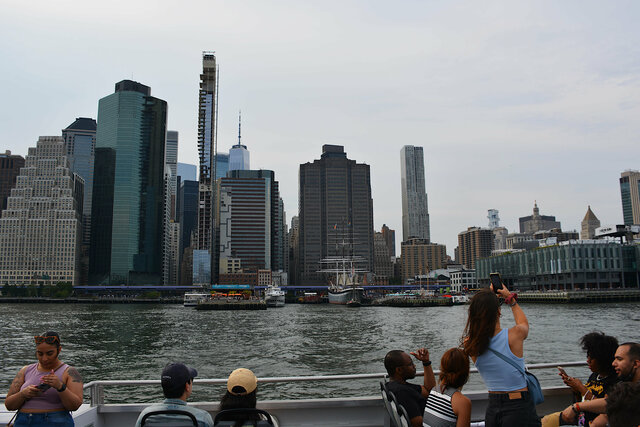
[438, 412]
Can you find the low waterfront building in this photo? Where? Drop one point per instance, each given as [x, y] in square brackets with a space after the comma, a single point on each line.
[40, 230]
[463, 280]
[555, 233]
[517, 241]
[574, 264]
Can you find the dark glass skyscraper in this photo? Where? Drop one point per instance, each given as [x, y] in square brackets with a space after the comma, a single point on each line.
[127, 213]
[334, 199]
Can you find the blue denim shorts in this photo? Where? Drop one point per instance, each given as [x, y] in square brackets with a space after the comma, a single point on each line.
[44, 419]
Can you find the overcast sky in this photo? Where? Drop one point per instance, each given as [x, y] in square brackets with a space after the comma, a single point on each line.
[512, 101]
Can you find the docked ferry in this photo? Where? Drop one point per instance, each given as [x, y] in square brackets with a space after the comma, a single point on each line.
[191, 299]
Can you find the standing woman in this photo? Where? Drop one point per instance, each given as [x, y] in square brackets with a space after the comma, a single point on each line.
[510, 403]
[46, 391]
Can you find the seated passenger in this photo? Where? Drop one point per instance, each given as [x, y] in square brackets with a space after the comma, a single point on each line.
[623, 405]
[600, 350]
[242, 388]
[177, 384]
[446, 405]
[412, 397]
[626, 363]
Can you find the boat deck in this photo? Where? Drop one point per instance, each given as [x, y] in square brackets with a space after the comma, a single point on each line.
[365, 411]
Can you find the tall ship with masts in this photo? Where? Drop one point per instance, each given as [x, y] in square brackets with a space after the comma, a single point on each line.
[346, 272]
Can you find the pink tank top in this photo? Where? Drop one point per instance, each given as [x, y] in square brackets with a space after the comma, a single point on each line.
[47, 400]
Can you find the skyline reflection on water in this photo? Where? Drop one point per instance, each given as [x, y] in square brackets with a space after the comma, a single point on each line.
[130, 341]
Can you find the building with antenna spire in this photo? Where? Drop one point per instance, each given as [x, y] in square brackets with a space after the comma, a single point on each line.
[239, 158]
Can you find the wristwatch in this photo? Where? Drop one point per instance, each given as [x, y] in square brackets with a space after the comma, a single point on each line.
[427, 363]
[63, 388]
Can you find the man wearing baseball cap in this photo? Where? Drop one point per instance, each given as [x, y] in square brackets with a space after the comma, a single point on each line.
[177, 384]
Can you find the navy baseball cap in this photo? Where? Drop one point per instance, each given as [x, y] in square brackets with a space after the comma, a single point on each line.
[176, 375]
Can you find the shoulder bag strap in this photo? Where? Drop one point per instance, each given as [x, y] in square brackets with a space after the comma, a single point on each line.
[509, 361]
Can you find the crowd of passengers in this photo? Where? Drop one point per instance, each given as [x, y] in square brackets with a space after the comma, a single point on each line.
[44, 393]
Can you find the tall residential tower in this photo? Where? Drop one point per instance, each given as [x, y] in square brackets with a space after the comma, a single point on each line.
[204, 252]
[415, 210]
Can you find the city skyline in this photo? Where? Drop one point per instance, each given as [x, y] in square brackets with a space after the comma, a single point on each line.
[511, 102]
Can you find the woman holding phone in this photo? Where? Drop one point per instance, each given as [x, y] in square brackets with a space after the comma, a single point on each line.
[45, 392]
[510, 403]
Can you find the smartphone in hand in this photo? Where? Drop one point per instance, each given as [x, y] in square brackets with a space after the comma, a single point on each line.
[43, 387]
[562, 371]
[496, 281]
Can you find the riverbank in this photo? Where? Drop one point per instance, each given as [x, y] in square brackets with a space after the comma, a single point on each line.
[591, 296]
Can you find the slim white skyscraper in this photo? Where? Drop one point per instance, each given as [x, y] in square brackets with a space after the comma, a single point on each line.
[238, 154]
[415, 210]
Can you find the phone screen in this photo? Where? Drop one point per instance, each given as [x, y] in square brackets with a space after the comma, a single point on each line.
[496, 281]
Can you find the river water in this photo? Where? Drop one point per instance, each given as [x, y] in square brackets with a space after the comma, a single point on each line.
[126, 341]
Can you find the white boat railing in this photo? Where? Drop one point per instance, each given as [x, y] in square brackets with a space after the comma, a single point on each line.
[96, 388]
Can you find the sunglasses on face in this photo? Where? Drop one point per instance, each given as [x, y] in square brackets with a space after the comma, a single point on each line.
[51, 340]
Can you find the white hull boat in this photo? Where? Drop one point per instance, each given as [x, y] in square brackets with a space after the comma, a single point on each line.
[191, 299]
[274, 297]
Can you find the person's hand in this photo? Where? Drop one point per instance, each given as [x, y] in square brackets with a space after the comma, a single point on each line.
[574, 383]
[568, 415]
[503, 292]
[30, 391]
[422, 355]
[52, 379]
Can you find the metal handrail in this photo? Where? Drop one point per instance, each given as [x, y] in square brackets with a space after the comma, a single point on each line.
[96, 388]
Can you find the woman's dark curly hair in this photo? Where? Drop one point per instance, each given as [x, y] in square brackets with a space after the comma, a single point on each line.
[602, 348]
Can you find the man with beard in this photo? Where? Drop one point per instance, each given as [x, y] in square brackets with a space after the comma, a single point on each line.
[412, 397]
[627, 366]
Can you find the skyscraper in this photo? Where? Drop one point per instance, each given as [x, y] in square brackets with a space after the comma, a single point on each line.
[251, 220]
[334, 204]
[40, 229]
[171, 161]
[238, 154]
[10, 165]
[207, 149]
[630, 194]
[127, 231]
[80, 139]
[415, 209]
[390, 239]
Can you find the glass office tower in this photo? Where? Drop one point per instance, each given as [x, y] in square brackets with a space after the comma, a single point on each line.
[127, 212]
